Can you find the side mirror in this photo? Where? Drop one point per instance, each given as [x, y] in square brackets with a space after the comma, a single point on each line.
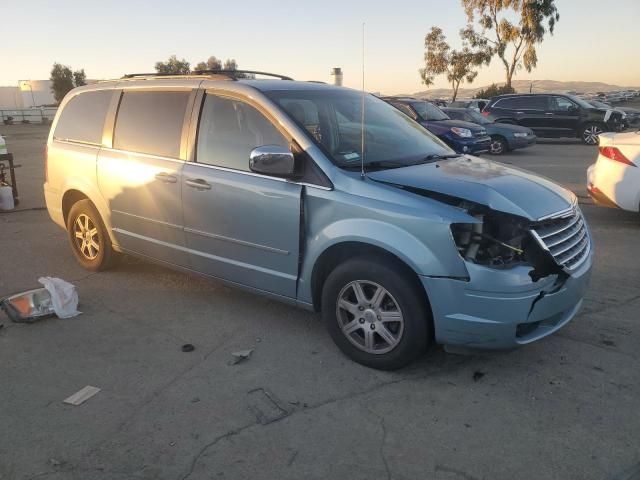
[272, 160]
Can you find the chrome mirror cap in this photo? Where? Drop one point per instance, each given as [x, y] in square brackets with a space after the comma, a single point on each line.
[272, 160]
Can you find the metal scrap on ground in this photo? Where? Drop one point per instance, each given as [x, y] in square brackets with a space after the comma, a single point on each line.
[240, 356]
[81, 395]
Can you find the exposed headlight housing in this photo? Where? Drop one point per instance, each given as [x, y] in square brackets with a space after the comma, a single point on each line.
[462, 132]
[500, 240]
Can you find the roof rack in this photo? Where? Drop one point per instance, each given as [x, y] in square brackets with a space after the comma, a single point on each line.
[235, 74]
[230, 74]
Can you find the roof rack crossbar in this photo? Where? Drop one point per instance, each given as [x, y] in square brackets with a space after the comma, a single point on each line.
[234, 73]
[231, 74]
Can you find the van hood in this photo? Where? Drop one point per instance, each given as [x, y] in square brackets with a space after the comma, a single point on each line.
[498, 186]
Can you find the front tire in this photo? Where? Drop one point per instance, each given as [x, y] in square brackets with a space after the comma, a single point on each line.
[499, 146]
[88, 237]
[376, 312]
[591, 133]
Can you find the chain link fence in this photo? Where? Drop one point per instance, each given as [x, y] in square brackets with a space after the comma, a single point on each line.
[28, 115]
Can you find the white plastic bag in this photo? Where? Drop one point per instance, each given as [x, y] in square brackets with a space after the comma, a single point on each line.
[63, 296]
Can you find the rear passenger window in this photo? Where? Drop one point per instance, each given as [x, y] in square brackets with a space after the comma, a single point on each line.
[151, 122]
[523, 103]
[537, 102]
[82, 119]
[229, 129]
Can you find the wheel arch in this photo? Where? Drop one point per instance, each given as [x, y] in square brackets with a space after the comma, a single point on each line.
[73, 193]
[337, 253]
[69, 199]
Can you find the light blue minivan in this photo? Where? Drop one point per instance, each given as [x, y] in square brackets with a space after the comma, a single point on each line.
[290, 190]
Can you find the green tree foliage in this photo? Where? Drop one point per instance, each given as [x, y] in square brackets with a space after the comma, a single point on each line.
[79, 78]
[212, 63]
[494, 90]
[510, 29]
[458, 65]
[230, 64]
[63, 80]
[173, 66]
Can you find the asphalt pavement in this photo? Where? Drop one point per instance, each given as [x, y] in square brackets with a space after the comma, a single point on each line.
[563, 408]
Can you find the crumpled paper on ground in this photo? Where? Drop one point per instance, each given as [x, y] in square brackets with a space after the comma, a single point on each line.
[63, 296]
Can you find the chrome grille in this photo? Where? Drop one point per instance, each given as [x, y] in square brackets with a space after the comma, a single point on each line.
[565, 237]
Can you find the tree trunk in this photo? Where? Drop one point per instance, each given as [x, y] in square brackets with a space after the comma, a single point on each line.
[456, 86]
[509, 77]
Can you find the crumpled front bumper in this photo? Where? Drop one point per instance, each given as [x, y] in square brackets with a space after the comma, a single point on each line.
[502, 309]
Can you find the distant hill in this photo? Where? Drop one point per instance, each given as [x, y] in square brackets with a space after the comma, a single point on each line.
[522, 86]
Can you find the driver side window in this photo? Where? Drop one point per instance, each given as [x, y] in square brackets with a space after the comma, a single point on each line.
[229, 129]
[561, 104]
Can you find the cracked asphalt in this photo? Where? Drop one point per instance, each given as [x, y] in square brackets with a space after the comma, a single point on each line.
[563, 408]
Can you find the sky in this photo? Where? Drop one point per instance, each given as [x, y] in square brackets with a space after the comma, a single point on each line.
[299, 38]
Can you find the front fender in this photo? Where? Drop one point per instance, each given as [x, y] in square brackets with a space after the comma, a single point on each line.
[414, 252]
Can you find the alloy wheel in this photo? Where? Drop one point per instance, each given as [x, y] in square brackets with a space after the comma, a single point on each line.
[591, 134]
[86, 237]
[497, 147]
[369, 317]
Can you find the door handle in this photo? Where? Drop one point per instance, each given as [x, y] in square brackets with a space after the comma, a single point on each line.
[519, 113]
[166, 178]
[198, 184]
[549, 113]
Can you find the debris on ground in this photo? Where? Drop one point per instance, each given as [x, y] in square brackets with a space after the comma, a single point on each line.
[240, 356]
[266, 406]
[63, 296]
[477, 375]
[54, 462]
[81, 395]
[29, 306]
[188, 347]
[56, 298]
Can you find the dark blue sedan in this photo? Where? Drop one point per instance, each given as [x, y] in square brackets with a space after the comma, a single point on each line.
[504, 137]
[461, 136]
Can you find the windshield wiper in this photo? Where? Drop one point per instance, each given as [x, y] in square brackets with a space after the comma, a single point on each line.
[436, 156]
[375, 164]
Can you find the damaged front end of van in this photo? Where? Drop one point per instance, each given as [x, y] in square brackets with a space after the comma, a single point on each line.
[526, 248]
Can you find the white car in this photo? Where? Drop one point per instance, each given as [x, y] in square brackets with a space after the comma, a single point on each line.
[614, 180]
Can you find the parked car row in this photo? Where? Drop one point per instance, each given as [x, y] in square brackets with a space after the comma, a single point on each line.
[462, 136]
[509, 122]
[555, 116]
[612, 97]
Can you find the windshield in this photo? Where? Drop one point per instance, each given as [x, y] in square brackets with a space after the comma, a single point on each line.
[333, 120]
[477, 117]
[597, 104]
[459, 104]
[580, 102]
[428, 111]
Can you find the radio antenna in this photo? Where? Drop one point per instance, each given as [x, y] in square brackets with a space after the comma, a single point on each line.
[362, 173]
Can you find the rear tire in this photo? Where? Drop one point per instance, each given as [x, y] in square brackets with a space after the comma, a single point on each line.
[88, 237]
[590, 133]
[376, 313]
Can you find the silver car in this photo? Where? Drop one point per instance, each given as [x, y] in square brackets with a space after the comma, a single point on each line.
[282, 188]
